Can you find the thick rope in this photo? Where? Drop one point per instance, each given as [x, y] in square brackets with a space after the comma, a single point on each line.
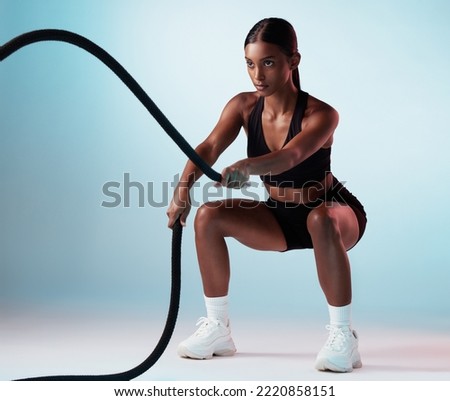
[69, 37]
[165, 337]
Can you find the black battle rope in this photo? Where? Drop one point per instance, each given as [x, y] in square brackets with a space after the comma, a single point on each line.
[69, 37]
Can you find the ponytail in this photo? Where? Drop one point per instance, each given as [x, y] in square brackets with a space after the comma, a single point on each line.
[296, 78]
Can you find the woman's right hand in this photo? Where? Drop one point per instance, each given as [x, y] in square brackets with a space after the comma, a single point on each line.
[179, 207]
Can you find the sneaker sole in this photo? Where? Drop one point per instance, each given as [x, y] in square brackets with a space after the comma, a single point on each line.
[326, 365]
[185, 352]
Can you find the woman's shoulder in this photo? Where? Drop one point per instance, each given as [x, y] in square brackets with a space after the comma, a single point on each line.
[316, 107]
[319, 111]
[245, 100]
[243, 103]
[239, 107]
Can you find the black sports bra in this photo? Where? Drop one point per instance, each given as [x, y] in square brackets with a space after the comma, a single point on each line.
[308, 172]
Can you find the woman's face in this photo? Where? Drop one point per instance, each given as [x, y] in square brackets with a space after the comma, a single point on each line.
[268, 67]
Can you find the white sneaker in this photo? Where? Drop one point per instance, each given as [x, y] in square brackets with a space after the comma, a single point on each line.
[211, 338]
[340, 352]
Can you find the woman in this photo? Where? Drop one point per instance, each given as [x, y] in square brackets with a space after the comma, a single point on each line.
[290, 134]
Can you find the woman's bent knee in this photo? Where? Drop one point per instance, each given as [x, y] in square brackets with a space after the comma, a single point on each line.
[207, 214]
[321, 221]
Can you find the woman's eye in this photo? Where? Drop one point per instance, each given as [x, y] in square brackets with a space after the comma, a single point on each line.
[268, 63]
[249, 64]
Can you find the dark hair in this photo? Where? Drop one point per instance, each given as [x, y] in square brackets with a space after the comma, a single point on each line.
[278, 32]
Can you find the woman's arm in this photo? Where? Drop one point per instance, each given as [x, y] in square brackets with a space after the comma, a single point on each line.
[223, 134]
[317, 131]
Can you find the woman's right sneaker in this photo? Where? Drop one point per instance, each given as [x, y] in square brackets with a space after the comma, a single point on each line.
[211, 338]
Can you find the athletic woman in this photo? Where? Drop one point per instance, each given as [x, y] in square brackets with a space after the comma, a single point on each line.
[290, 134]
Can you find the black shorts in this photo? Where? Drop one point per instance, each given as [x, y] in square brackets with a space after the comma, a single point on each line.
[292, 216]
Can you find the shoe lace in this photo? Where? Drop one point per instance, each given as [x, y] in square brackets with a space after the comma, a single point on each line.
[337, 337]
[205, 326]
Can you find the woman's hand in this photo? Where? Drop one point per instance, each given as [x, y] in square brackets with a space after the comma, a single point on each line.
[179, 207]
[236, 175]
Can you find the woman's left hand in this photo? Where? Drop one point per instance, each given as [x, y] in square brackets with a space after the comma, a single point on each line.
[236, 175]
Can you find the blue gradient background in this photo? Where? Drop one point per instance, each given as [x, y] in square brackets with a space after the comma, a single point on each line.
[68, 126]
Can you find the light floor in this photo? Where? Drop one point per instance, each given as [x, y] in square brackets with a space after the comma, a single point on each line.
[44, 345]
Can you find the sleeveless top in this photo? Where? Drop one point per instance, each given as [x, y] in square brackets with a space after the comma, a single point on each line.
[308, 172]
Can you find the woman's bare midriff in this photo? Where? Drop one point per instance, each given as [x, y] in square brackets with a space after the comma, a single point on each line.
[304, 195]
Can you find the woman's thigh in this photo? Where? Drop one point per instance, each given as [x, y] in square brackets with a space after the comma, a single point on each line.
[249, 222]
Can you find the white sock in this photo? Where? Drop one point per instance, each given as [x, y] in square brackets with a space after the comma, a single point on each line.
[340, 315]
[217, 308]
